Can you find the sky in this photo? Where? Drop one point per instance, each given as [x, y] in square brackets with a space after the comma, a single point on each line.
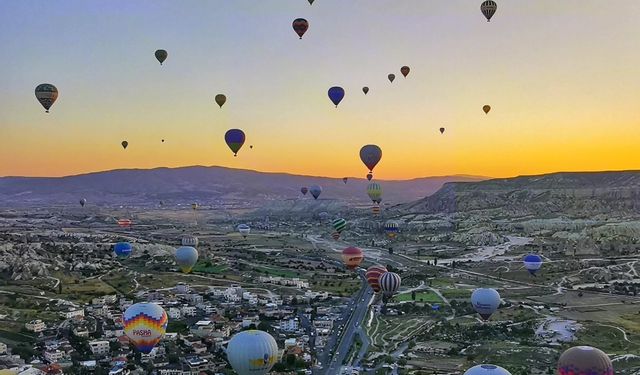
[562, 78]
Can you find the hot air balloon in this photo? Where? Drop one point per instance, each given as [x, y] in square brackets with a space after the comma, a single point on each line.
[145, 324]
[532, 263]
[335, 235]
[252, 352]
[336, 94]
[352, 257]
[485, 301]
[391, 77]
[163, 141]
[189, 241]
[584, 360]
[311, 2]
[389, 283]
[46, 94]
[488, 8]
[186, 258]
[124, 223]
[300, 26]
[235, 139]
[244, 230]
[370, 156]
[124, 144]
[486, 108]
[391, 228]
[365, 90]
[339, 224]
[405, 71]
[374, 190]
[221, 99]
[315, 190]
[122, 250]
[83, 201]
[373, 276]
[304, 190]
[441, 130]
[375, 210]
[161, 55]
[487, 370]
[194, 206]
[345, 179]
[369, 176]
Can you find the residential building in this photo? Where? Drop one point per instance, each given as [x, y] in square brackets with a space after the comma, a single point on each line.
[289, 325]
[73, 314]
[188, 310]
[54, 356]
[99, 347]
[3, 348]
[174, 313]
[35, 326]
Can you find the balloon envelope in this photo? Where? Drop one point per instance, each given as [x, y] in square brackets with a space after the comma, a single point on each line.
[83, 201]
[235, 139]
[189, 241]
[584, 360]
[124, 144]
[405, 71]
[487, 370]
[145, 325]
[315, 190]
[441, 130]
[161, 55]
[252, 352]
[391, 228]
[300, 26]
[374, 190]
[370, 156]
[304, 190]
[488, 8]
[486, 108]
[352, 257]
[221, 99]
[373, 276]
[532, 263]
[365, 90]
[339, 224]
[186, 258]
[369, 176]
[46, 94]
[244, 230]
[485, 301]
[391, 77]
[336, 94]
[122, 249]
[390, 283]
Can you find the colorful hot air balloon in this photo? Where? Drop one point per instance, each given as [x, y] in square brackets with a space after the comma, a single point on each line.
[46, 94]
[391, 228]
[83, 201]
[235, 139]
[375, 210]
[124, 144]
[300, 26]
[122, 250]
[584, 360]
[304, 190]
[390, 283]
[485, 301]
[189, 241]
[486, 108]
[220, 99]
[405, 71]
[315, 190]
[345, 179]
[186, 258]
[487, 370]
[391, 77]
[339, 224]
[252, 352]
[145, 324]
[365, 90]
[336, 94]
[194, 206]
[441, 130]
[335, 235]
[370, 156]
[161, 55]
[488, 8]
[532, 263]
[373, 276]
[244, 230]
[352, 257]
[369, 176]
[374, 190]
[124, 223]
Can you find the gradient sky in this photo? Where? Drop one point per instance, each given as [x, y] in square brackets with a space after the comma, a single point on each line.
[563, 78]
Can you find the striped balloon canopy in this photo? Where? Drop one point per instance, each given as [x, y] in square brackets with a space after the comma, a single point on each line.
[390, 283]
[145, 325]
[373, 276]
[352, 257]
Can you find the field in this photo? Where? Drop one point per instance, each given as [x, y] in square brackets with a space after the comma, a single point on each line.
[422, 296]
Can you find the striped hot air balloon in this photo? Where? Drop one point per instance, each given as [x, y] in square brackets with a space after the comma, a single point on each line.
[189, 241]
[339, 224]
[124, 223]
[352, 257]
[374, 190]
[532, 262]
[376, 210]
[391, 228]
[390, 283]
[373, 276]
[145, 325]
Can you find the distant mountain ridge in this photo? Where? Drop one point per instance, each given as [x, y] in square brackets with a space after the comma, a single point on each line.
[204, 185]
[570, 193]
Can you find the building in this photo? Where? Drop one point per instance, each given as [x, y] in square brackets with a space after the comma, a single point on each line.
[73, 314]
[188, 310]
[54, 356]
[183, 288]
[3, 348]
[99, 348]
[35, 326]
[289, 325]
[174, 313]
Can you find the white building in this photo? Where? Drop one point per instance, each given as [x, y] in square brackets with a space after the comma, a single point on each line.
[35, 326]
[3, 348]
[99, 348]
[54, 356]
[183, 288]
[73, 314]
[289, 325]
[195, 299]
[188, 310]
[174, 313]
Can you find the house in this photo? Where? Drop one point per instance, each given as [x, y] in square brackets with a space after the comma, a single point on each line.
[174, 313]
[290, 325]
[188, 310]
[195, 299]
[73, 314]
[183, 288]
[99, 347]
[54, 356]
[35, 326]
[3, 348]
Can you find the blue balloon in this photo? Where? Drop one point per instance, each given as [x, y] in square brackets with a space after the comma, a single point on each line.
[336, 94]
[532, 262]
[122, 249]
